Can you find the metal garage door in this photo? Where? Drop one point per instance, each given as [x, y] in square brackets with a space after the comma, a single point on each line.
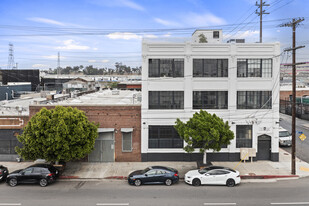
[104, 149]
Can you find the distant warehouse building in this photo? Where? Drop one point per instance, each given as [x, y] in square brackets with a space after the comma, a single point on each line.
[237, 81]
[21, 75]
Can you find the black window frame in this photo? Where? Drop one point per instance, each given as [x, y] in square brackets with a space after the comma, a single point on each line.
[264, 71]
[200, 99]
[241, 136]
[216, 34]
[173, 99]
[157, 71]
[263, 99]
[157, 139]
[221, 70]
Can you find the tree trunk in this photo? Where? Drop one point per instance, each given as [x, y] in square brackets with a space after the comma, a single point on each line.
[204, 158]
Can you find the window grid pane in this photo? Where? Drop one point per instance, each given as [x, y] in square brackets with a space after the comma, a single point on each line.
[243, 136]
[127, 141]
[254, 100]
[210, 99]
[254, 68]
[164, 137]
[166, 68]
[210, 67]
[166, 100]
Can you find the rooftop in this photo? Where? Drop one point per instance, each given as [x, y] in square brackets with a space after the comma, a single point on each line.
[21, 105]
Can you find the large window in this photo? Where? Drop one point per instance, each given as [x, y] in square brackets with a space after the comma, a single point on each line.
[164, 137]
[166, 99]
[254, 100]
[166, 68]
[243, 136]
[210, 100]
[210, 68]
[254, 67]
[127, 141]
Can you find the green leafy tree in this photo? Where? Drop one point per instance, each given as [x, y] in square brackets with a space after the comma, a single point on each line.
[62, 133]
[202, 38]
[204, 131]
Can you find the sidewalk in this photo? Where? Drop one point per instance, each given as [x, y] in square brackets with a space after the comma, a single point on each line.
[120, 170]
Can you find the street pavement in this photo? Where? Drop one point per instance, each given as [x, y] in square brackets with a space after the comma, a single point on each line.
[255, 171]
[120, 193]
[302, 147]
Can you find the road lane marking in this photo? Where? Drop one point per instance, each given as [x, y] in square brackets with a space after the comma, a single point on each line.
[290, 203]
[219, 203]
[9, 204]
[112, 204]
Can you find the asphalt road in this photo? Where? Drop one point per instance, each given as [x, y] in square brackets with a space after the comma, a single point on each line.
[302, 147]
[118, 192]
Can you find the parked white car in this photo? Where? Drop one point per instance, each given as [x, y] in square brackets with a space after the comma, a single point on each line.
[213, 175]
[285, 138]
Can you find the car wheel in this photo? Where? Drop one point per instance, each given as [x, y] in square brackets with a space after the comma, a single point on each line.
[168, 182]
[196, 182]
[230, 183]
[137, 182]
[43, 182]
[13, 182]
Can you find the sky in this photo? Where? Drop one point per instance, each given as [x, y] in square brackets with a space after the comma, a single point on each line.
[102, 32]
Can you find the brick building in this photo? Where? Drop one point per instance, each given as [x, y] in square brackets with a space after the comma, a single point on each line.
[117, 113]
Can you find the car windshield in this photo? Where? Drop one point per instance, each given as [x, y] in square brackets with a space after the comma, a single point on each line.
[284, 134]
[145, 170]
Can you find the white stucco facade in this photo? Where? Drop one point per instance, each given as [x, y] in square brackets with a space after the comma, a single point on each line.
[263, 121]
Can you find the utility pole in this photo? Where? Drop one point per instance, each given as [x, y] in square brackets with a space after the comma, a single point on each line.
[293, 24]
[260, 13]
[58, 65]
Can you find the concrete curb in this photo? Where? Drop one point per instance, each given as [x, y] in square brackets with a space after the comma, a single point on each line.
[246, 178]
[267, 176]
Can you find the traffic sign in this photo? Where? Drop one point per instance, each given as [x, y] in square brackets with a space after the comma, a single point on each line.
[302, 137]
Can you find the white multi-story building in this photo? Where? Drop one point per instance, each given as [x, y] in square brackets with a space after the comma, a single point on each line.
[237, 81]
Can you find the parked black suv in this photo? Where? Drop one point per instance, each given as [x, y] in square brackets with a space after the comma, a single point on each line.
[3, 172]
[43, 174]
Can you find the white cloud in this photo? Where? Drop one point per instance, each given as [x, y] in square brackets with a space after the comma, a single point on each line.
[167, 35]
[150, 36]
[207, 19]
[70, 44]
[46, 21]
[92, 61]
[132, 5]
[119, 3]
[95, 49]
[246, 34]
[53, 57]
[105, 60]
[123, 35]
[166, 22]
[39, 65]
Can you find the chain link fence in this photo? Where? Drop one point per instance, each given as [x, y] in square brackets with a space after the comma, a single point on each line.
[302, 110]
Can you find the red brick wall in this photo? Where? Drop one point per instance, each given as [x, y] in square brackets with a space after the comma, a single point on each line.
[13, 122]
[286, 94]
[113, 117]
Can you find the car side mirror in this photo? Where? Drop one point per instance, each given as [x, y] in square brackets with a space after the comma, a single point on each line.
[146, 175]
[207, 174]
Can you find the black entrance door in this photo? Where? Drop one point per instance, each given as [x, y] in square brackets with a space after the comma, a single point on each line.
[264, 147]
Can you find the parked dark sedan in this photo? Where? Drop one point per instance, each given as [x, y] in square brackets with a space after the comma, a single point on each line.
[3, 172]
[43, 174]
[154, 175]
